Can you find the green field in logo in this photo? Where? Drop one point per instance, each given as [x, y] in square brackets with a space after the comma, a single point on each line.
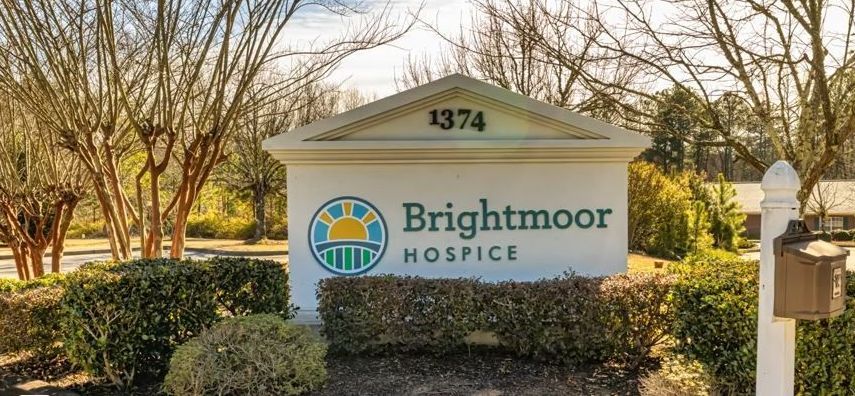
[348, 236]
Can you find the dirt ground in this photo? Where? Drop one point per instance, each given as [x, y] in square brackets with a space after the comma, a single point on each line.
[481, 374]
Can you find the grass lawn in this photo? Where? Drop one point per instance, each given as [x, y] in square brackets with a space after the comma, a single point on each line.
[641, 263]
[225, 245]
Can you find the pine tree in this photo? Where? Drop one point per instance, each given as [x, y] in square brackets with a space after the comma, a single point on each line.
[726, 217]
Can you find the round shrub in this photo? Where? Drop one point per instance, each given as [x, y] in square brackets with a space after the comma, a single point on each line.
[250, 355]
[840, 236]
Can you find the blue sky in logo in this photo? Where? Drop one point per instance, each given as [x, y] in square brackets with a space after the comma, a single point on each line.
[348, 236]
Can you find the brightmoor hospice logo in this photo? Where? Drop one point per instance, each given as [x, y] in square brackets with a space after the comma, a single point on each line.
[348, 236]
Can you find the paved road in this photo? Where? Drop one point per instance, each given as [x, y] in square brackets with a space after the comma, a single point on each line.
[850, 261]
[69, 263]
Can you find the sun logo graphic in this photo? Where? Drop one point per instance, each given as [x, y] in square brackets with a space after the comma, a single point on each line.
[348, 236]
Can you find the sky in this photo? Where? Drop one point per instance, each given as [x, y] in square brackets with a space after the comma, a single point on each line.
[373, 71]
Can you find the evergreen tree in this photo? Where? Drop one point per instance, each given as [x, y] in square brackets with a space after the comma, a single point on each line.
[726, 217]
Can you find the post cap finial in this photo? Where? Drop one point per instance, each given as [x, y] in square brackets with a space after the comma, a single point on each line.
[781, 176]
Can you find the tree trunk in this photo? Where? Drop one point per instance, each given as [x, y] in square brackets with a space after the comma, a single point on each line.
[106, 210]
[156, 232]
[58, 240]
[37, 261]
[21, 261]
[176, 251]
[259, 198]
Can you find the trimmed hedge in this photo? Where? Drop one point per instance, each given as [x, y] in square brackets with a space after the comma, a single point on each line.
[372, 314]
[123, 319]
[15, 285]
[252, 355]
[30, 314]
[245, 287]
[573, 319]
[30, 320]
[715, 306]
[558, 319]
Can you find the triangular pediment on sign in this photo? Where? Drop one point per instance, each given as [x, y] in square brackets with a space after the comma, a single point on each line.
[408, 118]
[457, 114]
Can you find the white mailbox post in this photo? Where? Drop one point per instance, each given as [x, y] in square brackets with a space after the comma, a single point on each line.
[455, 178]
[776, 337]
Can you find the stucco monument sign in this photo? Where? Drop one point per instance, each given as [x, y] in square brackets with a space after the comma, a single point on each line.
[455, 178]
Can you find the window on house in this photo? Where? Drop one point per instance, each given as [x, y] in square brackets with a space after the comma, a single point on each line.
[832, 223]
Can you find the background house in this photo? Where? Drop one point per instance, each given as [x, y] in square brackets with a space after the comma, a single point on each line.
[831, 206]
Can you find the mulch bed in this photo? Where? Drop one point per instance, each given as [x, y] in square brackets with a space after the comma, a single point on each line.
[482, 374]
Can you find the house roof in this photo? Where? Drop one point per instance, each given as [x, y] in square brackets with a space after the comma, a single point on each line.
[838, 196]
[398, 128]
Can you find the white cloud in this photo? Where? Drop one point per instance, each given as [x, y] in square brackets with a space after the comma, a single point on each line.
[373, 71]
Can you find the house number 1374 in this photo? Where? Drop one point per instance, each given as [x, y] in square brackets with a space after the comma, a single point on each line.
[462, 118]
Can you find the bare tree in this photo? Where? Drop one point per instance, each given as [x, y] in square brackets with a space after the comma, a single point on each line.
[168, 78]
[52, 61]
[825, 198]
[253, 170]
[39, 190]
[498, 49]
[790, 62]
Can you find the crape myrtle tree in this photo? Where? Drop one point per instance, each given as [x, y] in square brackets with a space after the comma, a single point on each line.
[169, 78]
[51, 62]
[250, 169]
[791, 63]
[39, 190]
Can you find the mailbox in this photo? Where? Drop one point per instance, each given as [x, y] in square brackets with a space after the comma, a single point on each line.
[810, 275]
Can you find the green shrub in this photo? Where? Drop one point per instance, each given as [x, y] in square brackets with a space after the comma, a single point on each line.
[248, 286]
[120, 319]
[745, 243]
[92, 229]
[573, 319]
[30, 320]
[824, 236]
[213, 225]
[715, 316]
[277, 227]
[15, 285]
[639, 311]
[123, 319]
[669, 215]
[726, 216]
[389, 313]
[715, 323]
[558, 319]
[841, 236]
[252, 355]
